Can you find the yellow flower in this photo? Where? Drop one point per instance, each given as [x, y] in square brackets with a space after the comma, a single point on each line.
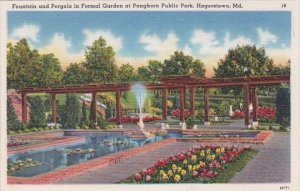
[194, 158]
[183, 172]
[161, 172]
[195, 167]
[170, 173]
[202, 153]
[179, 169]
[184, 162]
[213, 157]
[165, 177]
[208, 151]
[218, 151]
[177, 178]
[202, 164]
[190, 167]
[174, 167]
[222, 150]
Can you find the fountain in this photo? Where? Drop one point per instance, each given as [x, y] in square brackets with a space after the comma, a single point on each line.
[140, 94]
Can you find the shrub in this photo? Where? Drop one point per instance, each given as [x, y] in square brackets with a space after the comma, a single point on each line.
[190, 122]
[37, 112]
[70, 115]
[12, 119]
[283, 105]
[26, 131]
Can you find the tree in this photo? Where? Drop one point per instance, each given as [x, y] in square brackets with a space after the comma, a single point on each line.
[143, 74]
[84, 119]
[76, 74]
[37, 112]
[52, 72]
[23, 66]
[198, 68]
[180, 64]
[12, 119]
[70, 115]
[100, 61]
[126, 73]
[243, 61]
[152, 72]
[282, 70]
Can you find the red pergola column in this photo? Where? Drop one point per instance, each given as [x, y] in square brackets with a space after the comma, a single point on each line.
[246, 105]
[164, 103]
[94, 107]
[206, 107]
[254, 104]
[182, 104]
[24, 109]
[192, 101]
[53, 108]
[184, 97]
[118, 107]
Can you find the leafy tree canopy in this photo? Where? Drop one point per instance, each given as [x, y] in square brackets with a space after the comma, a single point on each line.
[75, 74]
[126, 73]
[244, 61]
[180, 64]
[100, 61]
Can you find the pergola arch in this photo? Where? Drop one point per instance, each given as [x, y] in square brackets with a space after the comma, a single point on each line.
[179, 83]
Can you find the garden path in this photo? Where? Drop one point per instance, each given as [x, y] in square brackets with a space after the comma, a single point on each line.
[272, 163]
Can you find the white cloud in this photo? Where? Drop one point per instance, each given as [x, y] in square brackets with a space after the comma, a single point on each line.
[207, 43]
[161, 47]
[111, 40]
[28, 31]
[265, 37]
[60, 47]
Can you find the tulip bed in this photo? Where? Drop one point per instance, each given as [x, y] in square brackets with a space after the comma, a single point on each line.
[131, 119]
[264, 114]
[202, 164]
[176, 113]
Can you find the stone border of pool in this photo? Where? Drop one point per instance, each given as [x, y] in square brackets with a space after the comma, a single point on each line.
[261, 138]
[75, 170]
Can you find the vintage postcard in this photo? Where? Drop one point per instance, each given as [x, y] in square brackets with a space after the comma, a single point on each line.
[150, 95]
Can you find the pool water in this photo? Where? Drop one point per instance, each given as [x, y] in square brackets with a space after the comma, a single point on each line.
[57, 158]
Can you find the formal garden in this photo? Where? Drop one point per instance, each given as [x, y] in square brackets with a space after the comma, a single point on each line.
[95, 114]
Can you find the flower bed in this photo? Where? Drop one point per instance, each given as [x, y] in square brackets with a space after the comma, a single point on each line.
[263, 114]
[131, 119]
[176, 113]
[17, 143]
[203, 163]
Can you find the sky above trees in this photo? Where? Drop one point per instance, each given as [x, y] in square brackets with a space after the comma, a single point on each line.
[138, 37]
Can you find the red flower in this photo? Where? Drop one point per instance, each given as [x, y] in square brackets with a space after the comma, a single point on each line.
[137, 177]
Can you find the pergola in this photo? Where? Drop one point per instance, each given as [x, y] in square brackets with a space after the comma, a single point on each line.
[179, 83]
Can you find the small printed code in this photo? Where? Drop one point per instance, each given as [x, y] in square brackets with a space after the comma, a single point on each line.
[284, 187]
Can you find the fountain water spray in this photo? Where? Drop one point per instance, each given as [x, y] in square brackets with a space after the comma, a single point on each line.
[140, 94]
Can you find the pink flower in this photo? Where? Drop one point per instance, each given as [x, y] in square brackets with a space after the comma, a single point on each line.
[148, 178]
[195, 173]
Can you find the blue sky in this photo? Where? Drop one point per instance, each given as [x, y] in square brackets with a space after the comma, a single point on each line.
[140, 36]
